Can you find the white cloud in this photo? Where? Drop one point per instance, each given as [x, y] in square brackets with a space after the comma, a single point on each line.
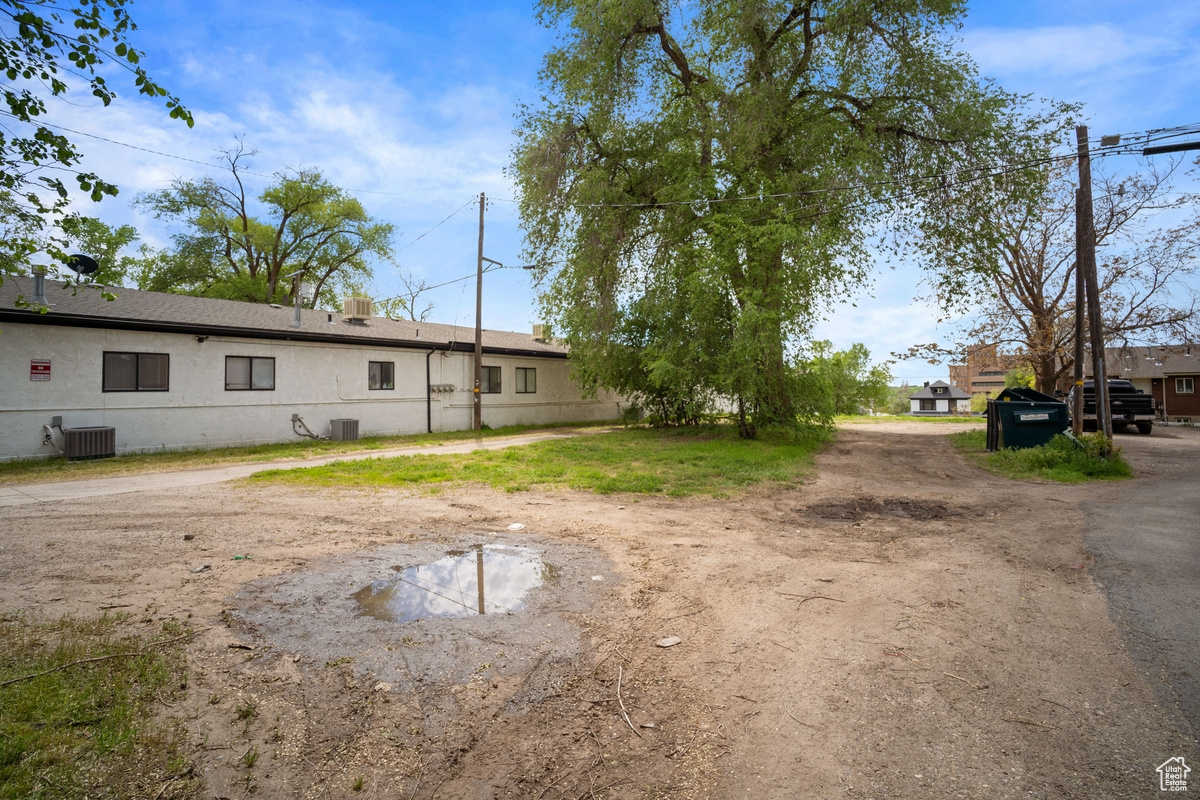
[1060, 50]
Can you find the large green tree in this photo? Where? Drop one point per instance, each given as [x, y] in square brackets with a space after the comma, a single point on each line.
[40, 42]
[701, 181]
[239, 247]
[847, 377]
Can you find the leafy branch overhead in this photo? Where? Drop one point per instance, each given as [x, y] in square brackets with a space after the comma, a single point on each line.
[240, 247]
[710, 179]
[43, 46]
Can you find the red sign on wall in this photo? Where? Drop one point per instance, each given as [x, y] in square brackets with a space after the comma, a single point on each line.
[39, 369]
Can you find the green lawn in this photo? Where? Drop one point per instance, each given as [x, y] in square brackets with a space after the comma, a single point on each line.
[84, 724]
[676, 462]
[1060, 460]
[59, 469]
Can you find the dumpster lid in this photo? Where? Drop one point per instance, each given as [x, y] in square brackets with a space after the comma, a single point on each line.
[1021, 393]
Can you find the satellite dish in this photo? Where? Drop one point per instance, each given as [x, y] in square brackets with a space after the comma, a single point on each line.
[81, 264]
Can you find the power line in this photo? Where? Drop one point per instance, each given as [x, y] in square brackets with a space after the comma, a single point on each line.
[435, 227]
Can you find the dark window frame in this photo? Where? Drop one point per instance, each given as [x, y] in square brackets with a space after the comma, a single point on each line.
[526, 373]
[251, 387]
[927, 404]
[486, 385]
[387, 375]
[137, 371]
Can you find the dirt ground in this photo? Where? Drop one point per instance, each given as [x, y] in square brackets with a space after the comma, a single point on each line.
[900, 625]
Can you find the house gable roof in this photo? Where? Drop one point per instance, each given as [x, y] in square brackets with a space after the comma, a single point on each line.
[133, 309]
[1131, 362]
[948, 392]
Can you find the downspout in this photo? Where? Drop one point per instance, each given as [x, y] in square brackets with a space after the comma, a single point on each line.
[428, 395]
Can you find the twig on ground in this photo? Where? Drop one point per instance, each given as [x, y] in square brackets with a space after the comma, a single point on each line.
[805, 598]
[688, 614]
[784, 646]
[550, 785]
[744, 697]
[139, 652]
[624, 713]
[1060, 705]
[793, 716]
[964, 680]
[1030, 722]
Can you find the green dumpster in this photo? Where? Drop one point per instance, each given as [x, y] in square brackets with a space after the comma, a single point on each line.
[1024, 418]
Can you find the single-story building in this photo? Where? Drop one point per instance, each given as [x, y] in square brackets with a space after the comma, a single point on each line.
[171, 371]
[1169, 373]
[939, 399]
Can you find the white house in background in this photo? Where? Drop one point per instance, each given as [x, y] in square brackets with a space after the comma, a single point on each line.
[169, 371]
[939, 399]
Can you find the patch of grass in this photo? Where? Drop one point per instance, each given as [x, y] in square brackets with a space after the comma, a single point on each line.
[31, 470]
[86, 728]
[677, 462]
[1059, 460]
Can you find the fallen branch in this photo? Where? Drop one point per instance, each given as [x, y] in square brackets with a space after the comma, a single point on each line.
[804, 598]
[624, 713]
[138, 652]
[793, 716]
[1030, 722]
[964, 680]
[784, 646]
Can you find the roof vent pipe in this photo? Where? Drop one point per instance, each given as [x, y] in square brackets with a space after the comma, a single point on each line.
[39, 286]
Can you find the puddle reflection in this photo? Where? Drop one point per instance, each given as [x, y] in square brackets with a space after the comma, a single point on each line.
[485, 579]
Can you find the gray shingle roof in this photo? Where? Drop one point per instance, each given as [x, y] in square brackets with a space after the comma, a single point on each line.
[159, 311]
[1130, 362]
[950, 392]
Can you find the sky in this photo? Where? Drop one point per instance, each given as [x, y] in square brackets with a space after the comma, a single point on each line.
[411, 108]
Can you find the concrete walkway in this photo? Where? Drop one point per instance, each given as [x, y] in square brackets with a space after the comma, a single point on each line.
[23, 494]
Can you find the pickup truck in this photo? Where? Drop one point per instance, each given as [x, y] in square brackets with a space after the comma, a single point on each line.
[1130, 406]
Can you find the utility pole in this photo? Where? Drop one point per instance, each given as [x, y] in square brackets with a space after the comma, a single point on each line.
[477, 423]
[1085, 260]
[1077, 395]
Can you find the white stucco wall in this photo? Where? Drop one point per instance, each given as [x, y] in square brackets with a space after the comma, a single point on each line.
[318, 381]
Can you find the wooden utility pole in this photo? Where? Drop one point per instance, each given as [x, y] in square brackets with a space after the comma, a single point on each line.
[1080, 314]
[477, 422]
[1085, 260]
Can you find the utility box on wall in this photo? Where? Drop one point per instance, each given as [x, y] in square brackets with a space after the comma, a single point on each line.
[343, 430]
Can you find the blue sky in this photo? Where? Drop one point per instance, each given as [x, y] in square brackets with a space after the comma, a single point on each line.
[410, 106]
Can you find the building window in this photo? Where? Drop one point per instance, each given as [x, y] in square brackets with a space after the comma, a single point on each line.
[938, 390]
[990, 372]
[381, 375]
[489, 380]
[1185, 386]
[987, 383]
[136, 372]
[526, 380]
[246, 373]
[929, 405]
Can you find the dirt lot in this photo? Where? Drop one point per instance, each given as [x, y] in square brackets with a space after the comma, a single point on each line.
[903, 625]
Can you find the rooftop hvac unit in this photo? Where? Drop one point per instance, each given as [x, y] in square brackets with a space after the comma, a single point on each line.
[84, 443]
[356, 309]
[541, 332]
[343, 430]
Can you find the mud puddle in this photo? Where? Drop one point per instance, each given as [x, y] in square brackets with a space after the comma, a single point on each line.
[484, 579]
[408, 615]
